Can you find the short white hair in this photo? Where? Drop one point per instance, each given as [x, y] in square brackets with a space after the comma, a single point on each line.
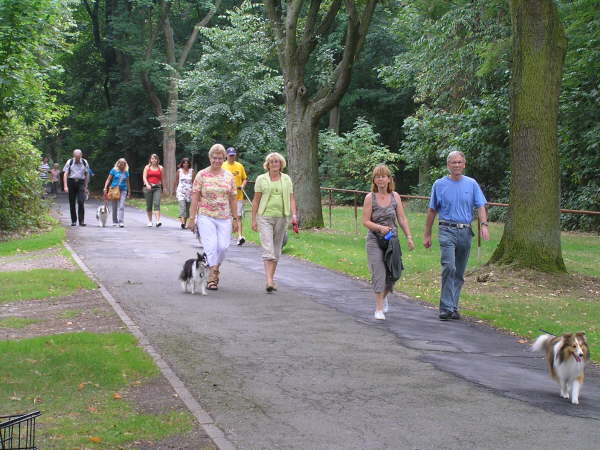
[77, 152]
[455, 153]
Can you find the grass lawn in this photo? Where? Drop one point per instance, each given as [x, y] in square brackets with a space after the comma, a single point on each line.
[517, 301]
[41, 283]
[17, 322]
[80, 382]
[39, 241]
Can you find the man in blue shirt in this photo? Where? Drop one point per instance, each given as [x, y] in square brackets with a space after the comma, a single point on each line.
[453, 197]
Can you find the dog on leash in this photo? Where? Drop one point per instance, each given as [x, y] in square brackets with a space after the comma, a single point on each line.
[194, 274]
[566, 356]
[102, 215]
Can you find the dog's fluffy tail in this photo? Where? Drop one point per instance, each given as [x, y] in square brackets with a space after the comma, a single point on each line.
[540, 342]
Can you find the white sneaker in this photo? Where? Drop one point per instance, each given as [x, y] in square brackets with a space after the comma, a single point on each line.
[241, 240]
[386, 304]
[379, 315]
[121, 225]
[149, 224]
[158, 224]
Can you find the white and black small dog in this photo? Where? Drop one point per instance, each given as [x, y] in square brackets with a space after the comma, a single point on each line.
[194, 273]
[102, 215]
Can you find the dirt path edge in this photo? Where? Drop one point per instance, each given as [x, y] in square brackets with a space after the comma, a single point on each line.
[204, 419]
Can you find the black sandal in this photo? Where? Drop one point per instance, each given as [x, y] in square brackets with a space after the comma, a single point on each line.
[212, 286]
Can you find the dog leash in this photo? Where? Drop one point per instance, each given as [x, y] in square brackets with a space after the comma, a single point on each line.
[547, 332]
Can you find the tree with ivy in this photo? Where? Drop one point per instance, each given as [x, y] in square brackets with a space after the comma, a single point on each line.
[531, 236]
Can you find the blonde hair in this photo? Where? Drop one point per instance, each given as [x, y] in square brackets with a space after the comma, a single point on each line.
[382, 169]
[122, 160]
[217, 148]
[274, 155]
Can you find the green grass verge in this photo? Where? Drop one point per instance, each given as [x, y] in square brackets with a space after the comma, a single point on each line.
[17, 322]
[39, 241]
[73, 379]
[519, 309]
[41, 283]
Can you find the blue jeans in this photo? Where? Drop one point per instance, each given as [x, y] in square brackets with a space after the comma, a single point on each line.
[455, 245]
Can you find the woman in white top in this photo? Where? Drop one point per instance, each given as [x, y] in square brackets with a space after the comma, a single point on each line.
[183, 189]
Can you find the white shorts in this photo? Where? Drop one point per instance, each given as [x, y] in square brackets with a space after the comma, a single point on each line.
[240, 208]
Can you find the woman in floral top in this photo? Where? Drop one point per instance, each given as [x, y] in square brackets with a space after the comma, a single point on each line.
[213, 211]
[183, 189]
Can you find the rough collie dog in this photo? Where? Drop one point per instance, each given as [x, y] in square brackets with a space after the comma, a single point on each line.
[566, 356]
[102, 215]
[194, 274]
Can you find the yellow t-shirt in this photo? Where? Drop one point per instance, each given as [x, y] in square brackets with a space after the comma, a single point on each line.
[239, 175]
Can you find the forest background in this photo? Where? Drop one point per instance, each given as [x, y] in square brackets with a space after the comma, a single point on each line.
[130, 77]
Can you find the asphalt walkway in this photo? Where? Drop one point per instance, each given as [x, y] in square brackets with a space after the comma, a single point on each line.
[308, 367]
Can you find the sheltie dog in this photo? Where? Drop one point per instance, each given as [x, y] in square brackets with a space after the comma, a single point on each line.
[102, 215]
[566, 356]
[194, 274]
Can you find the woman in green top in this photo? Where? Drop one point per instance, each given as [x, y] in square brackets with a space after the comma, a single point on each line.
[272, 206]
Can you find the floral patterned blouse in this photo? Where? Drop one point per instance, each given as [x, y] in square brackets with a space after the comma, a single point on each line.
[184, 188]
[215, 192]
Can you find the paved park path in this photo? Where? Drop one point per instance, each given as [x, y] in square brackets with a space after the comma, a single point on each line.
[308, 367]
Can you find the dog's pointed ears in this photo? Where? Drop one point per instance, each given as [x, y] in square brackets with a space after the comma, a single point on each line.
[580, 334]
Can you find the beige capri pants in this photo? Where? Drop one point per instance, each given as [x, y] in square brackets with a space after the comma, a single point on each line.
[272, 231]
[377, 266]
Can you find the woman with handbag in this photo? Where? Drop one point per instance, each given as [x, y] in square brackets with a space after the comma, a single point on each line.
[382, 211]
[117, 189]
[273, 206]
[152, 176]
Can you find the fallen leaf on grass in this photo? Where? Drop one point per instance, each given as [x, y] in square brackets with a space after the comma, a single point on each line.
[15, 398]
[522, 341]
[117, 396]
[92, 409]
[96, 439]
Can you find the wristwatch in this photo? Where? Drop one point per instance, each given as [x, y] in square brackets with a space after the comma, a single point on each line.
[484, 224]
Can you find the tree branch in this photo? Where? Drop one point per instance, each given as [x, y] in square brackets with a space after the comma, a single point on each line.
[194, 36]
[310, 38]
[273, 8]
[330, 95]
[144, 74]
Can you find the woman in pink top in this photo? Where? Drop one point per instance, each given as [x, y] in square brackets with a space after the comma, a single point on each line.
[214, 211]
[152, 177]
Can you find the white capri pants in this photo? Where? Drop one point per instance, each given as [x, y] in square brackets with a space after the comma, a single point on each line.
[216, 237]
[271, 231]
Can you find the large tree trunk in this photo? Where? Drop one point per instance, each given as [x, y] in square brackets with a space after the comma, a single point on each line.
[532, 234]
[169, 122]
[303, 131]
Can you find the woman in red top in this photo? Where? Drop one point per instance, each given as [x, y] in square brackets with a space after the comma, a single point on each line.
[152, 188]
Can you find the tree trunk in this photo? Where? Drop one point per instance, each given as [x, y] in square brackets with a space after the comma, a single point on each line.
[532, 234]
[334, 119]
[302, 132]
[168, 123]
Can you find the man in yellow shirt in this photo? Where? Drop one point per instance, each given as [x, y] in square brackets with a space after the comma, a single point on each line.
[240, 179]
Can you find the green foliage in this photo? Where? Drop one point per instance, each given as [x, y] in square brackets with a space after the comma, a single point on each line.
[232, 93]
[478, 130]
[32, 33]
[347, 160]
[579, 130]
[21, 203]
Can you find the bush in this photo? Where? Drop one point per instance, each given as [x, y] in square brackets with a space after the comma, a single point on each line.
[21, 202]
[347, 160]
